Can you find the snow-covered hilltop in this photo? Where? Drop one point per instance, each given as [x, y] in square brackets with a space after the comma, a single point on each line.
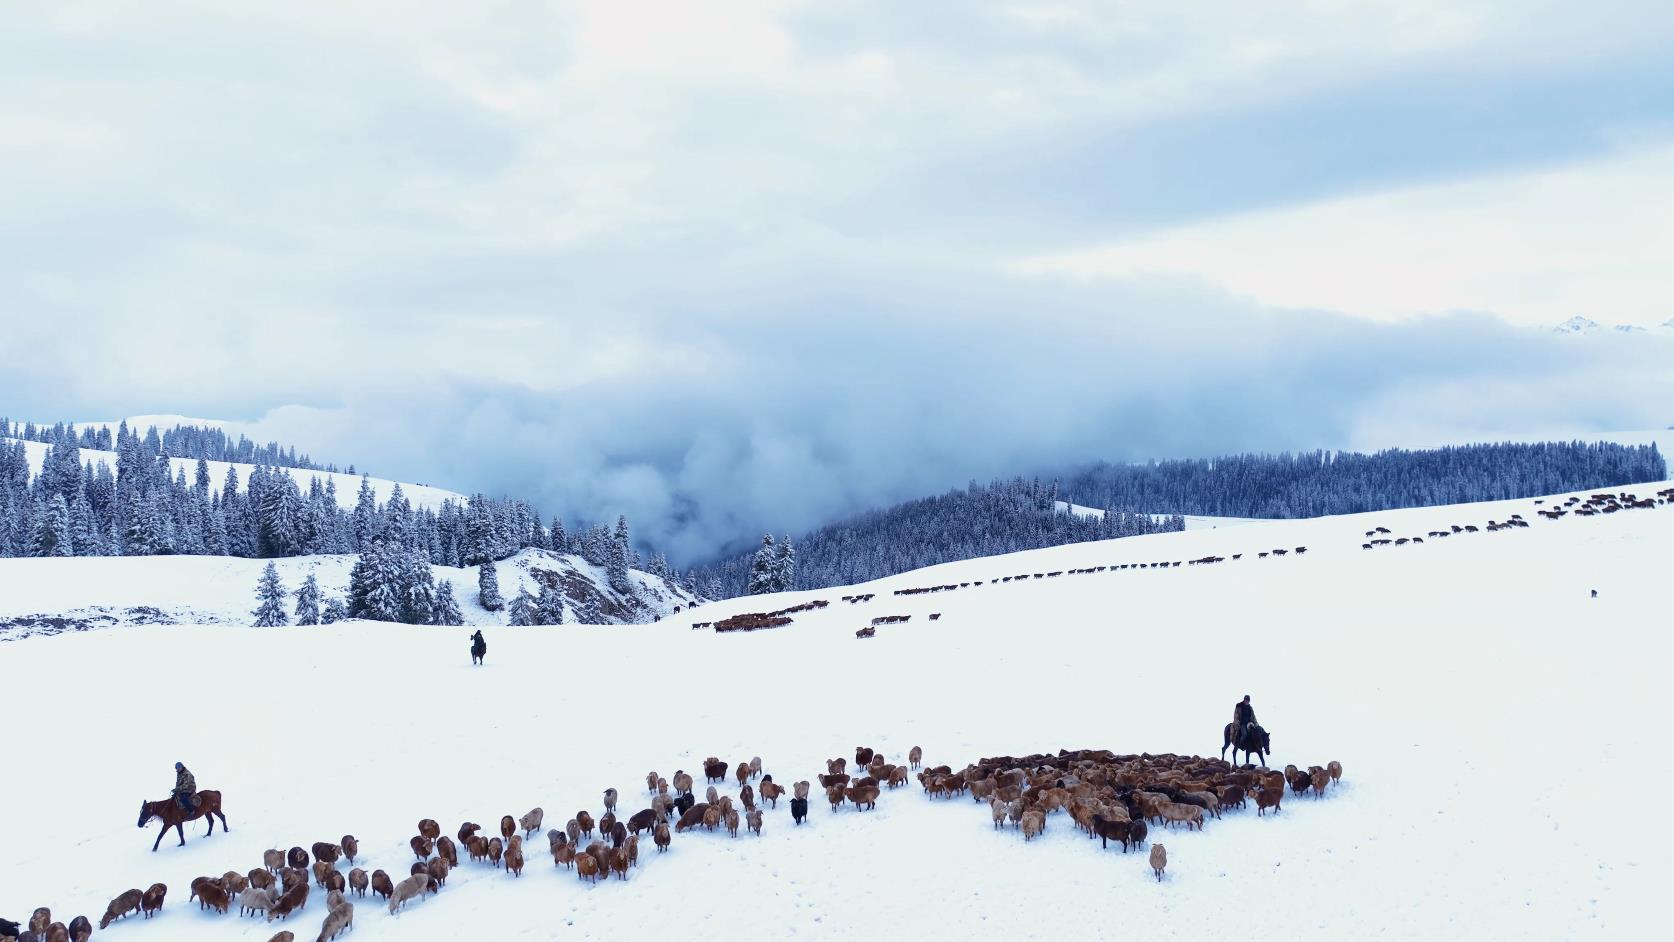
[1579, 326]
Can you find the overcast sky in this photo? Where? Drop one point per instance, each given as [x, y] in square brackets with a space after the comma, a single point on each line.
[744, 264]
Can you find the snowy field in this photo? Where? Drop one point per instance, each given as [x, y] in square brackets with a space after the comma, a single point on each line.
[348, 485]
[1501, 732]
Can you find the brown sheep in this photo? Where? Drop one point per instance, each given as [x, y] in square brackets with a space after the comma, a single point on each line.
[291, 877]
[586, 868]
[357, 881]
[477, 847]
[683, 782]
[732, 823]
[1335, 768]
[747, 797]
[411, 888]
[466, 830]
[865, 797]
[712, 817]
[273, 860]
[572, 827]
[801, 789]
[1175, 813]
[80, 929]
[643, 820]
[862, 757]
[770, 792]
[129, 901]
[351, 848]
[508, 827]
[297, 858]
[439, 869]
[618, 834]
[531, 822]
[1268, 797]
[210, 895]
[660, 837]
[999, 810]
[714, 770]
[610, 799]
[1034, 822]
[335, 881]
[840, 779]
[897, 777]
[292, 900]
[334, 899]
[495, 849]
[1159, 860]
[563, 855]
[514, 860]
[607, 823]
[755, 766]
[632, 847]
[743, 772]
[650, 783]
[711, 795]
[1320, 779]
[381, 885]
[692, 817]
[285, 935]
[834, 794]
[836, 766]
[915, 756]
[336, 921]
[446, 850]
[429, 828]
[1232, 796]
[619, 862]
[421, 846]
[327, 852]
[585, 820]
[153, 899]
[321, 868]
[234, 882]
[57, 932]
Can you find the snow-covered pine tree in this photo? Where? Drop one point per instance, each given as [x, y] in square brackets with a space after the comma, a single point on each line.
[557, 538]
[549, 606]
[270, 599]
[617, 568]
[764, 569]
[784, 567]
[365, 527]
[52, 532]
[481, 540]
[280, 516]
[445, 610]
[522, 611]
[335, 611]
[488, 587]
[308, 601]
[418, 588]
[375, 583]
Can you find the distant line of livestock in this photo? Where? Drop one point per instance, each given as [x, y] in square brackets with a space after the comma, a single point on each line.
[1593, 505]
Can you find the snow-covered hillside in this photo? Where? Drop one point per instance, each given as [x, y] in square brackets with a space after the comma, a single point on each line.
[1193, 521]
[348, 485]
[49, 596]
[1499, 729]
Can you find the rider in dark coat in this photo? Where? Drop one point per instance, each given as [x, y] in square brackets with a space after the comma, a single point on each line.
[1243, 717]
[479, 647]
[185, 785]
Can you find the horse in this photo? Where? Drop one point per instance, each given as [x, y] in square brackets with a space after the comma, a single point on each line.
[1255, 740]
[206, 804]
[479, 648]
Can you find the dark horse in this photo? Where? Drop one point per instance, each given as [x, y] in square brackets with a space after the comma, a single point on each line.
[205, 805]
[479, 647]
[1254, 740]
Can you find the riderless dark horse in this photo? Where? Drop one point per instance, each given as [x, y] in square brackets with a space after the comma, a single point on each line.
[204, 805]
[1254, 740]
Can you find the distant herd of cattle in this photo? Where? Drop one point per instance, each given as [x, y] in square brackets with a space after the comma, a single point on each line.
[1106, 795]
[1592, 505]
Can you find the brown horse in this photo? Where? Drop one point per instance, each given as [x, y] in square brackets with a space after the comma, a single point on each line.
[205, 804]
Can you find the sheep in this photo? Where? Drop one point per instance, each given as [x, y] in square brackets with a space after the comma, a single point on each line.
[56, 932]
[334, 881]
[607, 824]
[411, 888]
[747, 797]
[508, 826]
[1176, 813]
[585, 820]
[210, 895]
[253, 901]
[381, 885]
[563, 855]
[336, 921]
[1319, 780]
[799, 809]
[292, 900]
[770, 792]
[572, 827]
[998, 808]
[755, 766]
[692, 817]
[357, 881]
[660, 836]
[327, 852]
[446, 850]
[127, 902]
[753, 819]
[731, 818]
[915, 756]
[514, 860]
[712, 817]
[439, 869]
[711, 795]
[297, 858]
[862, 756]
[477, 847]
[1335, 768]
[619, 863]
[1232, 795]
[1014, 811]
[1112, 829]
[334, 899]
[836, 766]
[421, 846]
[662, 806]
[531, 822]
[80, 929]
[495, 849]
[1137, 832]
[586, 868]
[1267, 797]
[153, 899]
[351, 848]
[610, 799]
[643, 820]
[234, 882]
[429, 828]
[683, 782]
[283, 936]
[321, 868]
[834, 794]
[897, 777]
[1034, 822]
[801, 788]
[714, 770]
[273, 860]
[1159, 860]
[466, 830]
[290, 877]
[865, 797]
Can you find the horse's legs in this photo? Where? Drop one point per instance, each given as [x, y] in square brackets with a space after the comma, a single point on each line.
[180, 827]
[210, 817]
[159, 840]
[224, 828]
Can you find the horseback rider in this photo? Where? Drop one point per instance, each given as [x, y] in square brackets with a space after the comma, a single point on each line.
[1243, 717]
[479, 647]
[185, 786]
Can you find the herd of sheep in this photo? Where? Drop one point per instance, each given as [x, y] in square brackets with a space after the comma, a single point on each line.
[1109, 796]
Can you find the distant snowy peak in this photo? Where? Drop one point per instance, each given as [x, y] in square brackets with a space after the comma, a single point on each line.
[1586, 326]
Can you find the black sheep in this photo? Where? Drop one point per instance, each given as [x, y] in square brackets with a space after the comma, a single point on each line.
[799, 809]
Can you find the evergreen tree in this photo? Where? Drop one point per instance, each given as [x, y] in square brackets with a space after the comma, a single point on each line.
[418, 589]
[445, 611]
[334, 612]
[764, 569]
[270, 599]
[523, 611]
[549, 606]
[481, 540]
[366, 514]
[488, 588]
[617, 568]
[308, 601]
[375, 583]
[52, 532]
[784, 567]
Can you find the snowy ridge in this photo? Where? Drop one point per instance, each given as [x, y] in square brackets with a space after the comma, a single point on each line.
[348, 485]
[1433, 673]
[1579, 326]
[50, 596]
[1193, 521]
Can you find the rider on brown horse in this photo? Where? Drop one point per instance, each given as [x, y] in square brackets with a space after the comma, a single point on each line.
[185, 786]
[1243, 717]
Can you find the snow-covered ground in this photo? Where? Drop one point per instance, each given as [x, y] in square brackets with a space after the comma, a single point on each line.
[348, 485]
[97, 591]
[1501, 734]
